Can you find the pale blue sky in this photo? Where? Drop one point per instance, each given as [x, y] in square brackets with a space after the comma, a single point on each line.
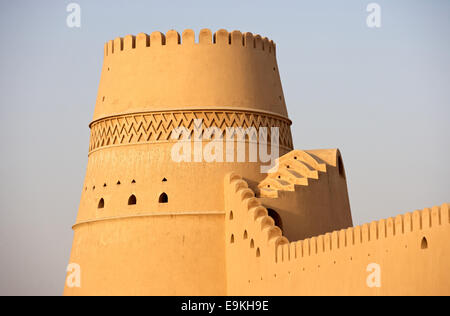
[380, 95]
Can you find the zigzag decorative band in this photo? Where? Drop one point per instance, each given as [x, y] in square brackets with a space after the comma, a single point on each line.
[153, 127]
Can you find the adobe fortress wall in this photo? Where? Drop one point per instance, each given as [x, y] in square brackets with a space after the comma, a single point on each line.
[411, 251]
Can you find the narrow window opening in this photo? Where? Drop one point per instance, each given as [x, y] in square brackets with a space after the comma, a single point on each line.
[258, 253]
[252, 244]
[276, 217]
[101, 203]
[133, 182]
[424, 244]
[164, 180]
[118, 182]
[132, 200]
[231, 215]
[232, 239]
[104, 185]
[163, 198]
[245, 235]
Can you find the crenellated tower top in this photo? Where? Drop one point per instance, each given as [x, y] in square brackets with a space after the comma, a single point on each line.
[171, 72]
[172, 37]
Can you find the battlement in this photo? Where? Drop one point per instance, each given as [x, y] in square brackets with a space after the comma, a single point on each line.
[220, 38]
[378, 230]
[172, 71]
[334, 263]
[248, 222]
[336, 240]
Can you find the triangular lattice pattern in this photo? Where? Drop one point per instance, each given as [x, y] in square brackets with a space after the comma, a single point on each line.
[158, 126]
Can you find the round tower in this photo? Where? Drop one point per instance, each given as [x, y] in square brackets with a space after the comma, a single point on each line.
[148, 224]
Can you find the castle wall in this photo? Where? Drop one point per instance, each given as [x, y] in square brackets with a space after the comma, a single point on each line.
[154, 254]
[191, 221]
[411, 250]
[189, 186]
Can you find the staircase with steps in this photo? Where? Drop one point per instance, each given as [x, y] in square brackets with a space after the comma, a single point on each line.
[296, 168]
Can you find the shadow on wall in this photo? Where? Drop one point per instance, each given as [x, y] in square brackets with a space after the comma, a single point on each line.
[276, 217]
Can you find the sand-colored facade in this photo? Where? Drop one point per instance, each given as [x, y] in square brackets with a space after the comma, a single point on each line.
[149, 225]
